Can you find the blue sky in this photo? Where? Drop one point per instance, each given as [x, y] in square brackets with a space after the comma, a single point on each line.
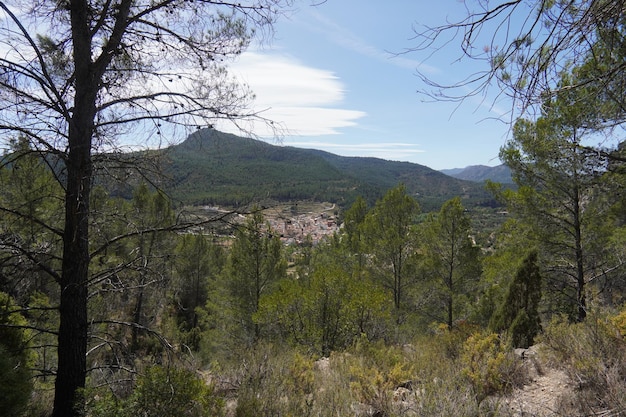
[329, 76]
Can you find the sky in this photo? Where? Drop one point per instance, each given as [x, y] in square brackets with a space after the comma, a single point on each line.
[333, 78]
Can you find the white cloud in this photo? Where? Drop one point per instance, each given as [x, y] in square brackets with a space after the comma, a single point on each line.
[398, 151]
[304, 100]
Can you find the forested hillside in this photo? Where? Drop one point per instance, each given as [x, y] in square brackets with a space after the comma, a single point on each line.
[125, 291]
[481, 173]
[214, 168]
[393, 313]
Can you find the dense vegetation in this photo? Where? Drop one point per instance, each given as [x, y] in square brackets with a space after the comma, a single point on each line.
[116, 302]
[224, 319]
[215, 168]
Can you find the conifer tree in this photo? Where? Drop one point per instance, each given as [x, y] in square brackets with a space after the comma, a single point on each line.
[102, 70]
[451, 263]
[255, 264]
[519, 312]
[391, 244]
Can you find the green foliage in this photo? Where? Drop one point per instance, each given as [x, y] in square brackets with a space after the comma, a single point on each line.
[327, 309]
[518, 314]
[133, 247]
[593, 354]
[207, 169]
[619, 321]
[163, 392]
[488, 364]
[198, 264]
[500, 263]
[451, 341]
[375, 371]
[560, 192]
[450, 263]
[256, 263]
[339, 301]
[391, 244]
[173, 392]
[15, 360]
[353, 228]
[274, 381]
[31, 202]
[585, 350]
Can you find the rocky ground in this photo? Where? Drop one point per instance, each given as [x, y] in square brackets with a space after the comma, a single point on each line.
[544, 393]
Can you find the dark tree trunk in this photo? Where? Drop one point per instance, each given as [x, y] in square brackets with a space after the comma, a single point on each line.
[73, 326]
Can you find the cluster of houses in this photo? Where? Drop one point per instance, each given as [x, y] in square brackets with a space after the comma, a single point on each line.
[295, 229]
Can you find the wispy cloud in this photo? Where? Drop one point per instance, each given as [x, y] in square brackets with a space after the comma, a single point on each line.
[304, 100]
[348, 40]
[393, 151]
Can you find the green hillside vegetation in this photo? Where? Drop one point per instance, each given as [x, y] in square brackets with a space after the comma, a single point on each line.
[215, 168]
[399, 313]
[418, 305]
[481, 173]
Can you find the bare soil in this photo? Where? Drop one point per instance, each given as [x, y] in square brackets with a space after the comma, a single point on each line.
[544, 393]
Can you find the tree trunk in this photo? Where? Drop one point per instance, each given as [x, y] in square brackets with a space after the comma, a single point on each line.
[73, 326]
[580, 265]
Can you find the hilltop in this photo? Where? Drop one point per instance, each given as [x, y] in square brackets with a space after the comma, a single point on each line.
[216, 168]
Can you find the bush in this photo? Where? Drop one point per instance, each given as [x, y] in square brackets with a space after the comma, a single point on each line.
[273, 381]
[518, 314]
[489, 365]
[375, 370]
[163, 392]
[593, 355]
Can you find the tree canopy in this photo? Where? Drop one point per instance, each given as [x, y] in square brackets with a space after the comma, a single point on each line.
[525, 47]
[92, 75]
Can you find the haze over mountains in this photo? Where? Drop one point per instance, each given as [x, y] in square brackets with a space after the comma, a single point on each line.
[215, 168]
[481, 173]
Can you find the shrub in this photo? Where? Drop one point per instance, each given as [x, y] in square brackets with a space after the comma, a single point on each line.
[593, 355]
[163, 392]
[619, 322]
[489, 365]
[274, 382]
[375, 371]
[518, 314]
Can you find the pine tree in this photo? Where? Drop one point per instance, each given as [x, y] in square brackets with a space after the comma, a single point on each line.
[519, 312]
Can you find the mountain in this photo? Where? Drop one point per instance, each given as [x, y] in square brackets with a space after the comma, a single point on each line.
[215, 168]
[481, 173]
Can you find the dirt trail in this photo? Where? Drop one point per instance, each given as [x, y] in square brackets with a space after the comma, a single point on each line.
[543, 394]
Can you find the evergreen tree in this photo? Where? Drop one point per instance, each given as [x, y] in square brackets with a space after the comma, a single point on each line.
[15, 357]
[198, 264]
[255, 264]
[354, 220]
[451, 261]
[518, 314]
[105, 69]
[560, 182]
[391, 243]
[328, 308]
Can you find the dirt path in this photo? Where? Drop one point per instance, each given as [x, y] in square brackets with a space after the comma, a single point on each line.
[542, 396]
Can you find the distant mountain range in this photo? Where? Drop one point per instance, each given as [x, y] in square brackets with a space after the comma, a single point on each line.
[215, 168]
[481, 173]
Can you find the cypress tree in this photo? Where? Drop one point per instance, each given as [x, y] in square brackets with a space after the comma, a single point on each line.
[519, 312]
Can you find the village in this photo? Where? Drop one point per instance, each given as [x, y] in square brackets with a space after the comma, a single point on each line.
[294, 224]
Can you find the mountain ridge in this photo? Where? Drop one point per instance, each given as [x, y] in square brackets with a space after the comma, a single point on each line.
[216, 168]
[481, 173]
